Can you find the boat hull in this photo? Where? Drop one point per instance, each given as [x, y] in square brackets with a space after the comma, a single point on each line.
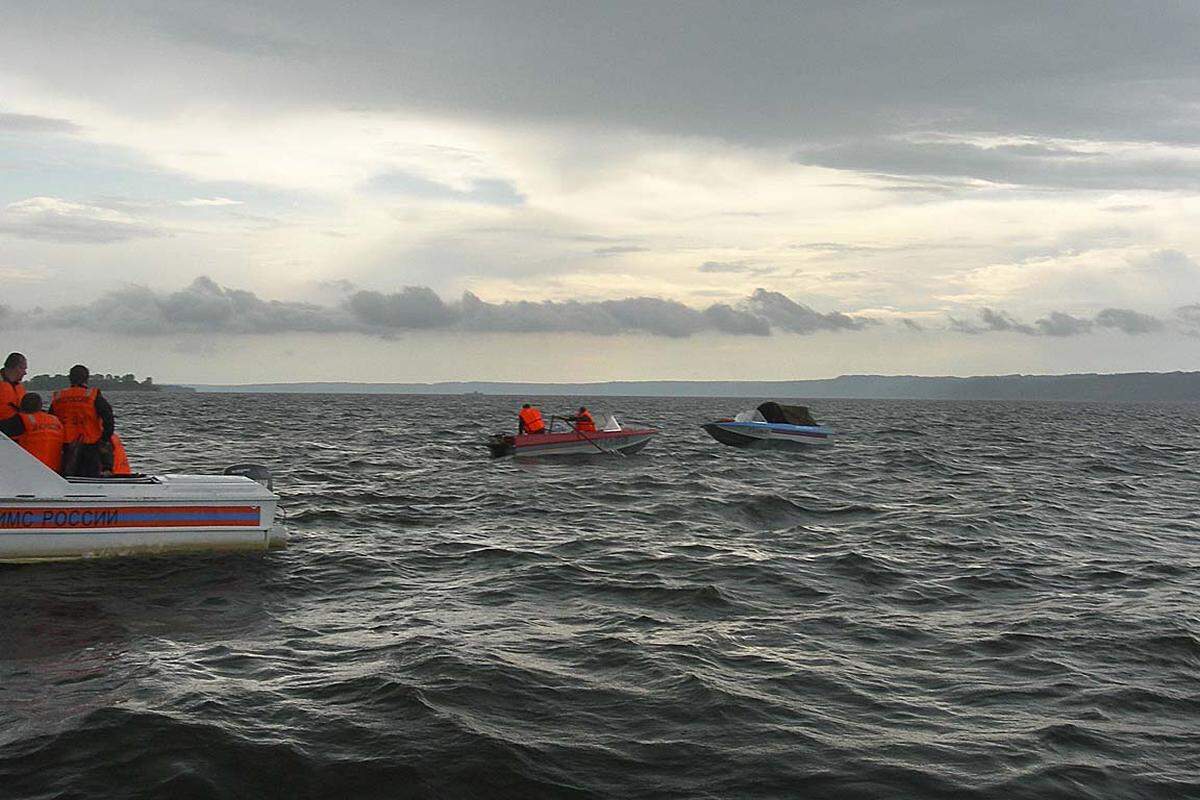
[623, 442]
[768, 435]
[94, 528]
[45, 517]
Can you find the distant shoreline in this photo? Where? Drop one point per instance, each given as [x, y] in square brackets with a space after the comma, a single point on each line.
[1117, 387]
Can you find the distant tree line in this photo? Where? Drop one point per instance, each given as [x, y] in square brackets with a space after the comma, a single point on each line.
[103, 382]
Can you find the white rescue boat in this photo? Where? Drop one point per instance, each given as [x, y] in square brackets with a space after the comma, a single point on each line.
[45, 517]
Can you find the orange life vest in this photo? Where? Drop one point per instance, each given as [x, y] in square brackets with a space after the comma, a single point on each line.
[76, 407]
[585, 423]
[120, 460]
[533, 420]
[10, 398]
[43, 438]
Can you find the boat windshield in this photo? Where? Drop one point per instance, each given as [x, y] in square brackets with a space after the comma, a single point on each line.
[608, 422]
[753, 415]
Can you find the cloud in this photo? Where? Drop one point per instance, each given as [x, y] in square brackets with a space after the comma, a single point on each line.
[50, 219]
[734, 267]
[29, 123]
[617, 250]
[781, 312]
[605, 317]
[1079, 165]
[1000, 321]
[486, 191]
[342, 285]
[207, 307]
[202, 307]
[209, 201]
[1058, 323]
[412, 308]
[992, 321]
[724, 266]
[836, 248]
[1171, 267]
[825, 69]
[1131, 322]
[1189, 319]
[727, 319]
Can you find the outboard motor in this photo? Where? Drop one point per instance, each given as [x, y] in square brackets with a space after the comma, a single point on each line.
[501, 445]
[276, 537]
[255, 472]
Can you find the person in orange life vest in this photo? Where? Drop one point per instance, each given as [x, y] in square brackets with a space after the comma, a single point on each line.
[11, 390]
[529, 420]
[88, 424]
[583, 420]
[41, 434]
[120, 459]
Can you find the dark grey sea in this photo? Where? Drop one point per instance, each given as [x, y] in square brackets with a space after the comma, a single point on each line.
[958, 600]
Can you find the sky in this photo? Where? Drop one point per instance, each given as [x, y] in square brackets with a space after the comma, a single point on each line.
[225, 192]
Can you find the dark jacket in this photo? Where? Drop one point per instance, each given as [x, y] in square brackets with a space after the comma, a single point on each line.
[12, 427]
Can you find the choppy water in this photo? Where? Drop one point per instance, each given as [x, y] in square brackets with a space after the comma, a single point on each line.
[959, 600]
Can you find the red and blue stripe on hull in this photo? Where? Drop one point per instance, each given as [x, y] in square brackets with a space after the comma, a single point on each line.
[86, 518]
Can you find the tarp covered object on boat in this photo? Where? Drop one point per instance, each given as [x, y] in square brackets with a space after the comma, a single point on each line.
[788, 415]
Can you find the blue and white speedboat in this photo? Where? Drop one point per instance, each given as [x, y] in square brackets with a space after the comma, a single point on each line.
[771, 425]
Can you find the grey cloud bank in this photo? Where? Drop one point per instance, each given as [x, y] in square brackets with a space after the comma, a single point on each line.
[207, 307]
[202, 307]
[1132, 322]
[416, 308]
[1059, 323]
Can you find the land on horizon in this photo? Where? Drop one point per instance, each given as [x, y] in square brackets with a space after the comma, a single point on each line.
[1118, 387]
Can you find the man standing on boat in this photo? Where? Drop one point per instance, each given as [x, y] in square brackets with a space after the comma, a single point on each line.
[88, 425]
[11, 390]
[529, 420]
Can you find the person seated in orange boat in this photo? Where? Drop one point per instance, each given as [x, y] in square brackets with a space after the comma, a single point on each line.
[41, 434]
[88, 425]
[11, 390]
[120, 459]
[529, 420]
[583, 420]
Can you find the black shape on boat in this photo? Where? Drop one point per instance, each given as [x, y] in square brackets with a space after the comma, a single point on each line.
[788, 415]
[501, 445]
[725, 436]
